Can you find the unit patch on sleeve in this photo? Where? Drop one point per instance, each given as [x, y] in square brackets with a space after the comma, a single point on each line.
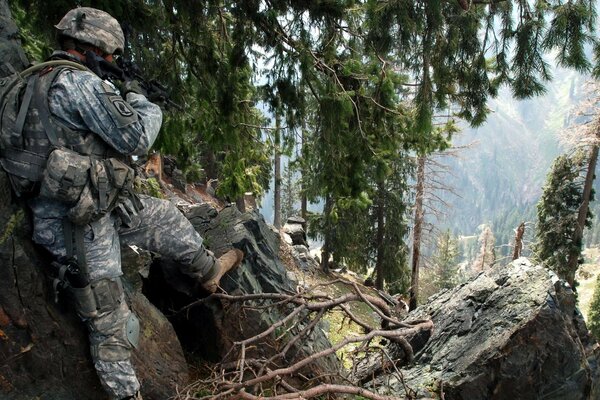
[121, 111]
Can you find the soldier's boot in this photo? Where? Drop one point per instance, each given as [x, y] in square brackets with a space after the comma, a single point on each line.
[224, 264]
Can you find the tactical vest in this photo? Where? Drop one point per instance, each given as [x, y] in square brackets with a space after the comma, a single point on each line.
[44, 157]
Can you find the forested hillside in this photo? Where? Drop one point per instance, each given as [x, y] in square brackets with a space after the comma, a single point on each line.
[498, 173]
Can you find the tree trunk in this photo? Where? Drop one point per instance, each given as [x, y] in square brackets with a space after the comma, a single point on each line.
[211, 165]
[240, 203]
[303, 198]
[417, 231]
[573, 262]
[519, 241]
[327, 232]
[277, 171]
[380, 235]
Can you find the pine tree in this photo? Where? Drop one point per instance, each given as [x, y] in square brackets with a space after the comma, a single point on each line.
[444, 261]
[593, 322]
[557, 213]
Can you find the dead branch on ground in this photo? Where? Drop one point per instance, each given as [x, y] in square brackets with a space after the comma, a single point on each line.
[273, 364]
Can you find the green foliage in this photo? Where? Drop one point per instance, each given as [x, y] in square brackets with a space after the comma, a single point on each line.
[36, 47]
[148, 186]
[557, 216]
[445, 261]
[12, 224]
[442, 269]
[593, 322]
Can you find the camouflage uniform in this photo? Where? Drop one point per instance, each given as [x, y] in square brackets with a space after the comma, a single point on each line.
[75, 100]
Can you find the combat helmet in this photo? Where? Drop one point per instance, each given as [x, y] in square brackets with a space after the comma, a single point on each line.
[92, 26]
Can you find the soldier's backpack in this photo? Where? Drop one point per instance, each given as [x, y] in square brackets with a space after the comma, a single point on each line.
[37, 159]
[25, 138]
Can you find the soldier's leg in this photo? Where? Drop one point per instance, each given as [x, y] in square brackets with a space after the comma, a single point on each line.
[160, 227]
[110, 347]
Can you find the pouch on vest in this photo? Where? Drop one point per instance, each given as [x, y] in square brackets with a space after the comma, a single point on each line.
[65, 176]
[112, 180]
[109, 182]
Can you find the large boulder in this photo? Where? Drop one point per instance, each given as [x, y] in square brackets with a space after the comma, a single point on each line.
[208, 330]
[511, 333]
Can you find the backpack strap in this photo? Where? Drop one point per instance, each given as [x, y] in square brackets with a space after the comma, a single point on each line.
[41, 103]
[20, 122]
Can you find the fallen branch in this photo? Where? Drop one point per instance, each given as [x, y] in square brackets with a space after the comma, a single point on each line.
[318, 391]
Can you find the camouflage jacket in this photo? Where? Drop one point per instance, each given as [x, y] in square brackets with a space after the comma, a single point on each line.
[84, 103]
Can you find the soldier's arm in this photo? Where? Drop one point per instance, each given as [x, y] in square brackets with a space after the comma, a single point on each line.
[84, 102]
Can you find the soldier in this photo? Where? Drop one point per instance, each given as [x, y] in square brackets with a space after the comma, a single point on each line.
[88, 117]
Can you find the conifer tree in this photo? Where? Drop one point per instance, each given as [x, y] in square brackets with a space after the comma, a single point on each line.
[557, 212]
[445, 261]
[593, 322]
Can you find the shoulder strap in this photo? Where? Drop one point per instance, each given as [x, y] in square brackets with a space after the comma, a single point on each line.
[52, 63]
[41, 100]
[24, 108]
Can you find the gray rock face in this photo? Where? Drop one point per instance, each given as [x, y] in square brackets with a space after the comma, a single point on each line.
[304, 259]
[511, 333]
[178, 180]
[294, 228]
[262, 271]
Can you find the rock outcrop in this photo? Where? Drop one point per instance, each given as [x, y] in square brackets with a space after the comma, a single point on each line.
[212, 327]
[511, 333]
[294, 234]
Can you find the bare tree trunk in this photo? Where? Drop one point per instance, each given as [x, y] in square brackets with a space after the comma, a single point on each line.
[327, 233]
[304, 206]
[573, 262]
[417, 231]
[211, 165]
[520, 231]
[303, 198]
[380, 235]
[240, 203]
[277, 168]
[484, 246]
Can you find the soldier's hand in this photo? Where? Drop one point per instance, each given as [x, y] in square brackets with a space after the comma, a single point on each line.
[134, 86]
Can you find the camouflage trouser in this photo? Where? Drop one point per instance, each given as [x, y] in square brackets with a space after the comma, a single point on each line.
[160, 228]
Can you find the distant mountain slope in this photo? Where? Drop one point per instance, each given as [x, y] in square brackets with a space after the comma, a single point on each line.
[500, 179]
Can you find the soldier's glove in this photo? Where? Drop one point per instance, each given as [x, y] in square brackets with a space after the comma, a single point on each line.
[134, 86]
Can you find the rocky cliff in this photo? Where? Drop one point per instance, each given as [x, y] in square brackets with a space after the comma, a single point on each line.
[513, 332]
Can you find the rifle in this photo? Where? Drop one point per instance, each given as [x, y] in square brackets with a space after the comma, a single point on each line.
[127, 70]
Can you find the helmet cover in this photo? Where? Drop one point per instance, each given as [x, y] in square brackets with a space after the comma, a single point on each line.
[92, 26]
